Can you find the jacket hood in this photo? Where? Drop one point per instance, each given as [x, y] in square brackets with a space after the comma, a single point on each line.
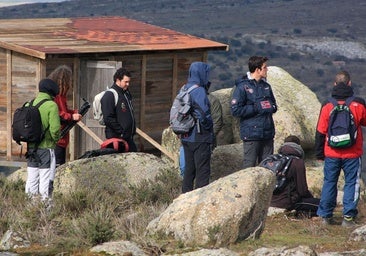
[342, 91]
[291, 148]
[198, 74]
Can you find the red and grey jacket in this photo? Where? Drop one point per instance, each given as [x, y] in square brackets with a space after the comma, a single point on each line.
[65, 117]
[358, 109]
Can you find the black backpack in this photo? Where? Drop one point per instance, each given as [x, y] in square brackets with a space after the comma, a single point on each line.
[342, 129]
[27, 123]
[278, 164]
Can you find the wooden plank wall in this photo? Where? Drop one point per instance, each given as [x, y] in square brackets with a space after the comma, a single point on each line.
[155, 81]
[161, 77]
[25, 73]
[3, 102]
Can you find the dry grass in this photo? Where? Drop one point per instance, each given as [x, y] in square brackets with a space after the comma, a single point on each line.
[79, 221]
[283, 230]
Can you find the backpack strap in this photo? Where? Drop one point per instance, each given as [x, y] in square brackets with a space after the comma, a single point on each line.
[348, 101]
[195, 106]
[39, 103]
[115, 93]
[192, 88]
[333, 101]
[37, 106]
[290, 158]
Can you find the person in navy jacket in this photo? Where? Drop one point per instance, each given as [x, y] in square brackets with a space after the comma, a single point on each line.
[254, 103]
[197, 144]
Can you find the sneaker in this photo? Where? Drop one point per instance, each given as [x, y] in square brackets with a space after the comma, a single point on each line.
[328, 221]
[348, 222]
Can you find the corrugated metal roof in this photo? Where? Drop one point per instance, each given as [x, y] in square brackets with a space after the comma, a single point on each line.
[39, 37]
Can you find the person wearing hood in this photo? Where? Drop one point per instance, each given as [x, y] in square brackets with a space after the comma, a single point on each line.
[337, 159]
[41, 158]
[254, 103]
[296, 195]
[197, 144]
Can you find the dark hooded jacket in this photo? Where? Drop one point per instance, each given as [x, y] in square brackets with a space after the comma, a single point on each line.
[203, 130]
[297, 187]
[340, 92]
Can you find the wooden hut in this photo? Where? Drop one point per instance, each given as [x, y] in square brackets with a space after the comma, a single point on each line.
[94, 48]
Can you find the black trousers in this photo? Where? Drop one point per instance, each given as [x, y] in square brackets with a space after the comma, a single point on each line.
[197, 165]
[60, 154]
[255, 151]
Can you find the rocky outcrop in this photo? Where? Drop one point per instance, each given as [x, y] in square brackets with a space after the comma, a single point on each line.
[119, 248]
[126, 168]
[230, 209]
[13, 240]
[300, 250]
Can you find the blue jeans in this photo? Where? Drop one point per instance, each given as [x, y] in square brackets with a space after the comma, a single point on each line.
[332, 167]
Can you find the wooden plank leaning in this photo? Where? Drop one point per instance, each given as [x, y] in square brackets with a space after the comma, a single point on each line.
[139, 132]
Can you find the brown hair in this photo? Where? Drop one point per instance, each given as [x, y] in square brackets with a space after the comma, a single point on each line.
[62, 75]
[292, 138]
[342, 77]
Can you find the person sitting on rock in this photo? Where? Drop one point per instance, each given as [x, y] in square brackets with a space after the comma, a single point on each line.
[296, 195]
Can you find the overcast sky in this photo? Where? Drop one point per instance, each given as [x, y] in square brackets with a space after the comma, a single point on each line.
[16, 2]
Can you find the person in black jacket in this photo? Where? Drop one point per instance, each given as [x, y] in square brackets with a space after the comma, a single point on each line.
[119, 118]
[296, 195]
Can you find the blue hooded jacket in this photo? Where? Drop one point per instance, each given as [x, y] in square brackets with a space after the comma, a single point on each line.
[202, 131]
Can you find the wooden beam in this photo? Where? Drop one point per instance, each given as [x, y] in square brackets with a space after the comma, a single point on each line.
[24, 50]
[175, 77]
[8, 104]
[139, 132]
[90, 132]
[143, 91]
[75, 98]
[157, 145]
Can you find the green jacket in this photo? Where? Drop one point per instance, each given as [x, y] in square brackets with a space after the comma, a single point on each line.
[51, 119]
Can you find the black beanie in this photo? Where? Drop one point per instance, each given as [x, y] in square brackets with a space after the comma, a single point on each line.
[48, 86]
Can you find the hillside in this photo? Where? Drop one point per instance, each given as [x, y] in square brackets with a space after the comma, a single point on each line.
[310, 39]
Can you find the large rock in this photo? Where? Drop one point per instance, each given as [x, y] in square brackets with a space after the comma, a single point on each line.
[225, 160]
[298, 108]
[230, 209]
[115, 170]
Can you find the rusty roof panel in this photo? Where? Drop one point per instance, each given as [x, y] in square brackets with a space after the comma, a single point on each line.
[39, 37]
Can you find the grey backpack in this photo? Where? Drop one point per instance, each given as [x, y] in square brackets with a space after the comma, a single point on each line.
[181, 120]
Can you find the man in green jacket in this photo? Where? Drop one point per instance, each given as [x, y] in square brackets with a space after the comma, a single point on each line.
[41, 159]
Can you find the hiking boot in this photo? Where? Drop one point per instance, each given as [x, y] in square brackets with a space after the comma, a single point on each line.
[328, 221]
[348, 222]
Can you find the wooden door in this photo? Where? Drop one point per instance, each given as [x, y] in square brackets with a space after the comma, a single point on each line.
[95, 76]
